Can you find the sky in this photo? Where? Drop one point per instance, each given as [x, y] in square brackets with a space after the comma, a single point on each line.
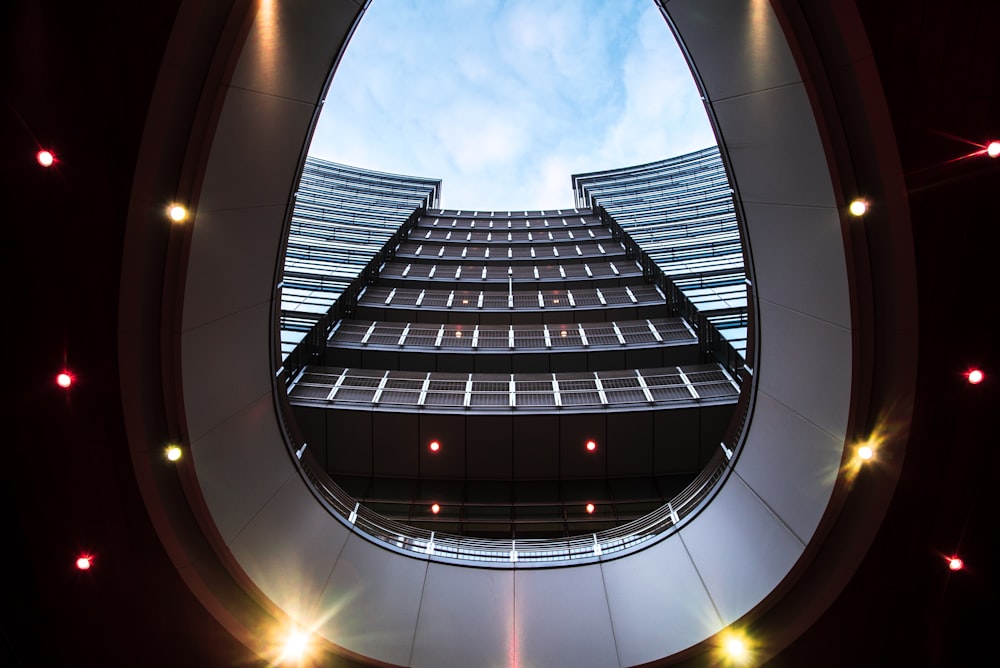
[505, 99]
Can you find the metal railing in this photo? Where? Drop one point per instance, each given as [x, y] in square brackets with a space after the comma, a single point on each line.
[310, 349]
[714, 346]
[503, 553]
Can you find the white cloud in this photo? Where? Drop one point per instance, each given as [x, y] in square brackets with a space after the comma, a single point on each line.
[505, 100]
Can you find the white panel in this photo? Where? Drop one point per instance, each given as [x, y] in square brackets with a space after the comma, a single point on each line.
[279, 64]
[466, 618]
[240, 465]
[658, 604]
[372, 600]
[218, 380]
[817, 261]
[289, 548]
[255, 155]
[234, 250]
[741, 550]
[791, 464]
[562, 618]
[805, 364]
[738, 45]
[775, 148]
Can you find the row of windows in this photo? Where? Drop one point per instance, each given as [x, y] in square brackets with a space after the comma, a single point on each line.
[343, 216]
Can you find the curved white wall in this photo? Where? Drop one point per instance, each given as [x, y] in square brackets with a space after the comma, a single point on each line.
[406, 611]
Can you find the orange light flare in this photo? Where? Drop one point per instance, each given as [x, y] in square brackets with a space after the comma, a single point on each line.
[435, 508]
[736, 648]
[590, 508]
[866, 453]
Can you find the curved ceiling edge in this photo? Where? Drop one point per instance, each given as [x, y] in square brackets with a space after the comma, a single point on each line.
[312, 568]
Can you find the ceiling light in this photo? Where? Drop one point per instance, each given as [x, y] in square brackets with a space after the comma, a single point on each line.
[64, 379]
[858, 207]
[296, 646]
[434, 446]
[591, 446]
[865, 452]
[590, 508]
[955, 563]
[435, 508]
[736, 649]
[177, 213]
[975, 376]
[45, 158]
[84, 562]
[993, 149]
[173, 452]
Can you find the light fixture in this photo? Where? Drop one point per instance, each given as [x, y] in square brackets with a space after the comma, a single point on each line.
[177, 213]
[563, 333]
[591, 445]
[865, 452]
[64, 379]
[736, 649]
[590, 508]
[975, 376]
[458, 334]
[955, 563]
[993, 149]
[296, 647]
[84, 562]
[173, 452]
[435, 508]
[858, 207]
[45, 158]
[434, 446]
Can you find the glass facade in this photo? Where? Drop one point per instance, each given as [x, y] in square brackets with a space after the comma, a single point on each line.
[342, 218]
[680, 212]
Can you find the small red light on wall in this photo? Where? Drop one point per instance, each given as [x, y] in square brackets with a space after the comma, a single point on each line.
[975, 376]
[434, 446]
[590, 508]
[955, 564]
[64, 380]
[45, 158]
[84, 562]
[435, 508]
[591, 446]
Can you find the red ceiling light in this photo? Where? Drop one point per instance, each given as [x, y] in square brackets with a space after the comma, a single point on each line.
[591, 445]
[590, 508]
[64, 380]
[975, 376]
[435, 508]
[84, 562]
[45, 158]
[955, 564]
[993, 149]
[434, 446]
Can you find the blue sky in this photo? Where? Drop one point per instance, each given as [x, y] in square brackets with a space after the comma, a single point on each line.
[505, 99]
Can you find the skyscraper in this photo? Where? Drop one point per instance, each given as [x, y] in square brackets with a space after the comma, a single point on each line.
[512, 340]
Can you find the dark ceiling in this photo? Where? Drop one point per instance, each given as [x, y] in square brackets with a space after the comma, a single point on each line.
[78, 77]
